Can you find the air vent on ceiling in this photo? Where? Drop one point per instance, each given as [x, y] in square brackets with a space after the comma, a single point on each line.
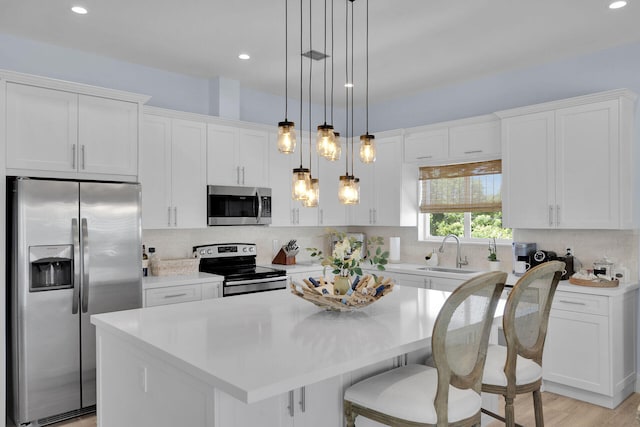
[315, 55]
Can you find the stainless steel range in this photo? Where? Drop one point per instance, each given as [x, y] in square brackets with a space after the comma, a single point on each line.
[237, 263]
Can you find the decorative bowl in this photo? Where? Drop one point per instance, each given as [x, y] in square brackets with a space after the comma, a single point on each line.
[367, 290]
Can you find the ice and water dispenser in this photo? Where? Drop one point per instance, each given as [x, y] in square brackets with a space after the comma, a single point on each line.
[51, 267]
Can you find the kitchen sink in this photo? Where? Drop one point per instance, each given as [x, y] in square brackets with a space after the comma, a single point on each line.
[448, 270]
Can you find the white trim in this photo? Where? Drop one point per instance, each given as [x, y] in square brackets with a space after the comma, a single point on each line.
[214, 120]
[28, 79]
[569, 102]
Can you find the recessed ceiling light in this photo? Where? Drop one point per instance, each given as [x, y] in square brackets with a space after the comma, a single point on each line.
[617, 4]
[79, 10]
[348, 85]
[244, 56]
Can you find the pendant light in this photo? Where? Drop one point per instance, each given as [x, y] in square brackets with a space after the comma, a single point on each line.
[286, 129]
[349, 185]
[337, 144]
[313, 190]
[301, 179]
[325, 138]
[367, 141]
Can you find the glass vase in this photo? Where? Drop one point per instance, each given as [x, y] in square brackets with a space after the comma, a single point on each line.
[341, 285]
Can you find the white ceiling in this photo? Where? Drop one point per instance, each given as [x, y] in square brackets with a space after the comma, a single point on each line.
[414, 45]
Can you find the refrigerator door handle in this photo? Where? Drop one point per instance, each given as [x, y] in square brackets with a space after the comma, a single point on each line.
[76, 265]
[85, 266]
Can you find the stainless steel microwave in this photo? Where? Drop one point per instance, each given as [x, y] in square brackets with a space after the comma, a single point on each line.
[228, 205]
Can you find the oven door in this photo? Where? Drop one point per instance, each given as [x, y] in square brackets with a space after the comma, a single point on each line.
[227, 205]
[240, 287]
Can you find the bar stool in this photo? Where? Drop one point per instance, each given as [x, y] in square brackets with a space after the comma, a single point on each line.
[449, 394]
[517, 368]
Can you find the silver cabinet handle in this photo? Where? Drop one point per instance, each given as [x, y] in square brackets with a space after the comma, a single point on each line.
[176, 295]
[550, 215]
[290, 407]
[238, 174]
[297, 215]
[85, 264]
[424, 157]
[169, 216]
[175, 216]
[243, 175]
[83, 156]
[76, 264]
[303, 399]
[473, 152]
[73, 156]
[293, 216]
[375, 216]
[557, 215]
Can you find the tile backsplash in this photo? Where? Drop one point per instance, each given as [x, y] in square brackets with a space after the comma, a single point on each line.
[622, 246]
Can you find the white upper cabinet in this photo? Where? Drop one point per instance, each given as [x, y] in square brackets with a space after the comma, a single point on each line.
[65, 130]
[237, 156]
[569, 164]
[173, 173]
[388, 188]
[108, 136]
[286, 212]
[459, 141]
[330, 211]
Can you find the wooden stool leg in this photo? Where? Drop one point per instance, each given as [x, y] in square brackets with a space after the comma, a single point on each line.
[349, 415]
[537, 408]
[509, 416]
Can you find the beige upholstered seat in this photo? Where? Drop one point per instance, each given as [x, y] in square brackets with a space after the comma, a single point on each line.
[449, 394]
[517, 368]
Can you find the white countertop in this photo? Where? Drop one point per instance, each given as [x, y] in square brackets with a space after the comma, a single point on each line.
[261, 345]
[151, 282]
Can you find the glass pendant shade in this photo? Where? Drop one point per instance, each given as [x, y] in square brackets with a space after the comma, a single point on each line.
[337, 148]
[325, 142]
[349, 190]
[367, 148]
[313, 194]
[286, 137]
[300, 184]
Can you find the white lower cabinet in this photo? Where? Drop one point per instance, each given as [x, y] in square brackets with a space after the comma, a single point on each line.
[590, 350]
[161, 290]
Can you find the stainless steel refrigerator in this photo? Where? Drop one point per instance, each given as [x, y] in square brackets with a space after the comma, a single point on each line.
[76, 251]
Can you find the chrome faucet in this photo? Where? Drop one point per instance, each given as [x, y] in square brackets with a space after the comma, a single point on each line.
[459, 261]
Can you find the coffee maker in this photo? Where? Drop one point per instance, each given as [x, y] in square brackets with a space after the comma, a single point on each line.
[523, 252]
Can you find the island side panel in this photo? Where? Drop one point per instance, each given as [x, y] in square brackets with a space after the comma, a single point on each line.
[135, 388]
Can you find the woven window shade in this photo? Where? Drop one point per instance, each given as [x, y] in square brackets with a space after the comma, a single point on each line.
[468, 187]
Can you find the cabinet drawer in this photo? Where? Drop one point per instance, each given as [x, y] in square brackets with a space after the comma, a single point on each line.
[581, 303]
[173, 295]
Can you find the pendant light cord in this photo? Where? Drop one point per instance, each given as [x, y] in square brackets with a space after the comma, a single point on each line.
[367, 68]
[310, 74]
[346, 78]
[325, 62]
[286, 60]
[301, 50]
[353, 172]
[332, 1]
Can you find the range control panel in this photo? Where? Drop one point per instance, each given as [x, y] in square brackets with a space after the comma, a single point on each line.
[219, 250]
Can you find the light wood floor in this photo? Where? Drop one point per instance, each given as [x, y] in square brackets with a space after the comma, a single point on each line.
[559, 411]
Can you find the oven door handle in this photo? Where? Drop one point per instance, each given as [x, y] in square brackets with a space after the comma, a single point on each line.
[259, 207]
[264, 280]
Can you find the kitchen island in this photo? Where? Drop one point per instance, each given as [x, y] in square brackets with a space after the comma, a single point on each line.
[268, 359]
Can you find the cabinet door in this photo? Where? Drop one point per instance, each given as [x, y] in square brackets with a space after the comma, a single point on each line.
[108, 136]
[155, 172]
[280, 179]
[271, 412]
[222, 152]
[528, 171]
[364, 212]
[587, 149]
[332, 212]
[253, 158]
[577, 351]
[388, 186]
[173, 295]
[426, 146]
[211, 290]
[474, 140]
[411, 280]
[188, 174]
[320, 404]
[42, 128]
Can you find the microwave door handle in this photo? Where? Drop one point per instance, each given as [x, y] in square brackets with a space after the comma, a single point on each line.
[85, 266]
[259, 207]
[76, 264]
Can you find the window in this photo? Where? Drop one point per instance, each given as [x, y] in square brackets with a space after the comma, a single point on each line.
[463, 199]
